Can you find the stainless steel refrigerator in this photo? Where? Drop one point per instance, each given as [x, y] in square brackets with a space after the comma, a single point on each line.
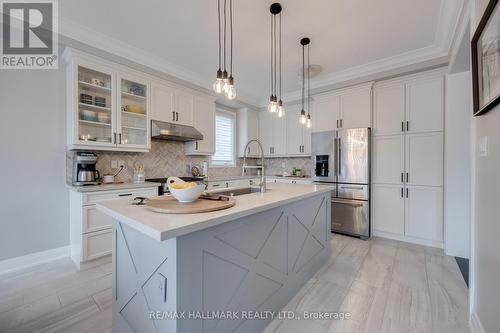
[342, 160]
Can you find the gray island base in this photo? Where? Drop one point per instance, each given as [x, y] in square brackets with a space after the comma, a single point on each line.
[230, 277]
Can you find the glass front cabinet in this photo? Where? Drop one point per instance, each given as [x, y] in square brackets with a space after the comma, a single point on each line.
[108, 106]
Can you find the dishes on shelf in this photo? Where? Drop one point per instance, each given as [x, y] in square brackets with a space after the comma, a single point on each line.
[100, 101]
[104, 117]
[88, 115]
[133, 109]
[136, 90]
[86, 99]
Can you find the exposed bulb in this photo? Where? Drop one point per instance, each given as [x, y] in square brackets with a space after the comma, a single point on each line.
[308, 122]
[218, 85]
[231, 92]
[273, 106]
[303, 119]
[225, 82]
[281, 109]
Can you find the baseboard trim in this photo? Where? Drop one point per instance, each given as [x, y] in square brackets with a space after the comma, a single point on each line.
[407, 239]
[32, 259]
[475, 324]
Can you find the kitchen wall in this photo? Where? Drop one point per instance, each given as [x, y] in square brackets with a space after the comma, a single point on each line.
[167, 158]
[34, 199]
[485, 289]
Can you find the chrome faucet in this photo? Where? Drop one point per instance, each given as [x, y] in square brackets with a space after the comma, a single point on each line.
[262, 184]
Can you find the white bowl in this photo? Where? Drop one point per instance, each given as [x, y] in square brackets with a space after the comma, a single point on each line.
[187, 194]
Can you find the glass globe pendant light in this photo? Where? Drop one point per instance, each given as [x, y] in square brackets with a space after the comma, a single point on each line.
[273, 105]
[305, 119]
[219, 83]
[224, 82]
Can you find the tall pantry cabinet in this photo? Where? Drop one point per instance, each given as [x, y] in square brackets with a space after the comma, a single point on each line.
[407, 169]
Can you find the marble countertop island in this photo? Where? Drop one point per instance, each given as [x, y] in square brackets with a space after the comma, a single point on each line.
[164, 226]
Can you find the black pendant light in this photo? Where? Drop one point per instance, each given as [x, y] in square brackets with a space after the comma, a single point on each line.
[224, 82]
[275, 106]
[305, 118]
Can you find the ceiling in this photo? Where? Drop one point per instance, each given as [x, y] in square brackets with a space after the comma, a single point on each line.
[180, 37]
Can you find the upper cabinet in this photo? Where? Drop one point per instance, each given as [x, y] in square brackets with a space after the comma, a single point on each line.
[107, 105]
[171, 104]
[248, 129]
[342, 109]
[272, 133]
[204, 121]
[298, 136]
[412, 104]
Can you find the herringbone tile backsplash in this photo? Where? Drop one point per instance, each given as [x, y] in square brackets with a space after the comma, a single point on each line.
[167, 158]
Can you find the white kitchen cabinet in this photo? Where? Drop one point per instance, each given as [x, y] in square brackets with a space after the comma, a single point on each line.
[107, 105]
[326, 113]
[171, 104]
[424, 212]
[424, 159]
[356, 107]
[388, 208]
[272, 132]
[388, 159]
[248, 129]
[425, 104]
[90, 229]
[345, 108]
[388, 108]
[204, 121]
[298, 136]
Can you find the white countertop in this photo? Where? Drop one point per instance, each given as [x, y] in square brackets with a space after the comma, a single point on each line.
[164, 226]
[111, 187]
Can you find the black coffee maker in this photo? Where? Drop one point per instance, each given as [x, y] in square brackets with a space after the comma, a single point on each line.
[84, 171]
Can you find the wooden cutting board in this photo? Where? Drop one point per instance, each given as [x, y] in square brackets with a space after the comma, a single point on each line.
[170, 205]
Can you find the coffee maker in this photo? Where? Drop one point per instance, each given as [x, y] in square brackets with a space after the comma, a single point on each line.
[84, 171]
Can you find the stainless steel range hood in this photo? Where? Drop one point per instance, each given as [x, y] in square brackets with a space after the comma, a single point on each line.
[167, 131]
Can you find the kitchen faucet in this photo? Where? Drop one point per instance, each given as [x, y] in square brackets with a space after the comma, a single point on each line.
[262, 184]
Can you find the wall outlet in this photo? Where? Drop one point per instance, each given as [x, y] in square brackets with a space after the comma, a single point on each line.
[121, 164]
[114, 164]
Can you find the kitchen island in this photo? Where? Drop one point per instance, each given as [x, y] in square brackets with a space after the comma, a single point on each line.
[224, 271]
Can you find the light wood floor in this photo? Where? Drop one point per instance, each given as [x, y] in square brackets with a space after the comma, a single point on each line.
[386, 286]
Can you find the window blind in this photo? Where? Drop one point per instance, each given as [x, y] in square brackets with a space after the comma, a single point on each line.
[224, 139]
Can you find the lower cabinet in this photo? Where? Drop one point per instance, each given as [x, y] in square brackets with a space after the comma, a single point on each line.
[388, 208]
[90, 229]
[424, 212]
[411, 213]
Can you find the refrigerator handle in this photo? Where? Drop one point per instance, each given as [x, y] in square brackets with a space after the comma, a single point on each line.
[339, 151]
[335, 150]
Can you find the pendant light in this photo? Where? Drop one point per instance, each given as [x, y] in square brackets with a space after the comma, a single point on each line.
[275, 10]
[303, 116]
[281, 108]
[308, 121]
[224, 82]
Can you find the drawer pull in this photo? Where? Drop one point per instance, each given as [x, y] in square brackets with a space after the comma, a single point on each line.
[125, 195]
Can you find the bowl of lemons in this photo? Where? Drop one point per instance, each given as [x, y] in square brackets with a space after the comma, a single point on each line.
[184, 191]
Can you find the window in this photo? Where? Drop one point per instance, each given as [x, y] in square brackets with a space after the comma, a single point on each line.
[224, 139]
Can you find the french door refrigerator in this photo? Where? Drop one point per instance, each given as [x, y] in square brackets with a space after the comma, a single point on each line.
[342, 160]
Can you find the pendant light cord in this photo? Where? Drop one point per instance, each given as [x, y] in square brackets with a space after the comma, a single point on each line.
[231, 36]
[225, 29]
[303, 76]
[219, 38]
[280, 57]
[308, 81]
[272, 46]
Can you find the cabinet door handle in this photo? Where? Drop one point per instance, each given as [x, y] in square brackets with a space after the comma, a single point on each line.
[402, 126]
[338, 123]
[173, 115]
[407, 126]
[176, 116]
[125, 195]
[196, 144]
[341, 123]
[407, 177]
[114, 138]
[402, 196]
[407, 192]
[120, 138]
[402, 177]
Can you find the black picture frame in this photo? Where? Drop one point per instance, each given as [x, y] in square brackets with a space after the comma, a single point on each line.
[477, 70]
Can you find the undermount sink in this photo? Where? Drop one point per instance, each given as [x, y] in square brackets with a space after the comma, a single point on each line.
[237, 191]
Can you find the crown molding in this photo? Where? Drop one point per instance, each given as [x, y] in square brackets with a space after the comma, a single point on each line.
[72, 30]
